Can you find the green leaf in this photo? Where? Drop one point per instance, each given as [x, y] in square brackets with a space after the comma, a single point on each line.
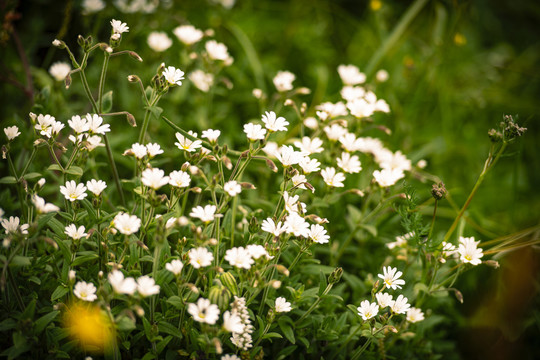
[322, 283]
[75, 170]
[125, 323]
[8, 180]
[286, 329]
[32, 175]
[19, 260]
[57, 227]
[169, 329]
[271, 335]
[8, 324]
[155, 110]
[370, 229]
[54, 167]
[90, 208]
[176, 301]
[107, 102]
[43, 321]
[162, 344]
[283, 354]
[82, 259]
[59, 292]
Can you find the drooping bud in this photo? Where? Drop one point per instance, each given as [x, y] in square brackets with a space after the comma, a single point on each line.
[136, 56]
[131, 120]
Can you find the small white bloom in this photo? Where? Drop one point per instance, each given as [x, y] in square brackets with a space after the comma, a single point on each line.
[360, 108]
[387, 177]
[153, 149]
[179, 179]
[232, 188]
[288, 156]
[11, 225]
[206, 214]
[43, 207]
[187, 144]
[94, 124]
[257, 251]
[309, 146]
[175, 266]
[254, 131]
[382, 75]
[349, 164]
[138, 150]
[96, 186]
[391, 278]
[334, 131]
[56, 127]
[202, 81]
[211, 135]
[230, 357]
[232, 322]
[173, 75]
[188, 34]
[216, 51]
[400, 240]
[271, 227]
[154, 178]
[317, 233]
[309, 165]
[159, 41]
[75, 233]
[311, 123]
[274, 123]
[393, 161]
[367, 310]
[297, 225]
[12, 132]
[73, 191]
[239, 257]
[93, 142]
[400, 305]
[85, 291]
[332, 178]
[469, 251]
[351, 93]
[78, 124]
[146, 286]
[415, 315]
[59, 70]
[283, 81]
[92, 6]
[298, 180]
[351, 75]
[120, 284]
[383, 299]
[44, 124]
[126, 224]
[204, 311]
[200, 257]
[447, 250]
[119, 27]
[282, 305]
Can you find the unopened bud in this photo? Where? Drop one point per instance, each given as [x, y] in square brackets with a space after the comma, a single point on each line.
[133, 78]
[493, 263]
[459, 295]
[217, 345]
[100, 274]
[276, 284]
[303, 91]
[271, 165]
[142, 245]
[248, 186]
[67, 81]
[391, 328]
[193, 55]
[115, 37]
[131, 120]
[384, 129]
[257, 93]
[282, 269]
[41, 182]
[71, 275]
[335, 276]
[138, 310]
[212, 242]
[4, 151]
[288, 102]
[80, 41]
[59, 44]
[438, 191]
[227, 162]
[136, 56]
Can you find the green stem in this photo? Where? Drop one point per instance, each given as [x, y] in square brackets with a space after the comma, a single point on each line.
[27, 165]
[114, 170]
[102, 80]
[433, 220]
[361, 350]
[314, 305]
[146, 121]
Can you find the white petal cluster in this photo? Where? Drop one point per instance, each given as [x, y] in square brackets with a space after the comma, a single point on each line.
[254, 132]
[85, 291]
[187, 144]
[159, 41]
[217, 51]
[173, 76]
[75, 233]
[179, 178]
[309, 146]
[146, 286]
[383, 299]
[288, 156]
[188, 34]
[400, 305]
[11, 132]
[332, 178]
[59, 70]
[43, 207]
[468, 250]
[232, 188]
[120, 284]
[175, 266]
[206, 214]
[351, 75]
[282, 305]
[318, 234]
[387, 177]
[73, 191]
[126, 224]
[11, 225]
[203, 311]
[200, 257]
[274, 123]
[154, 178]
[367, 310]
[271, 227]
[283, 81]
[239, 257]
[202, 81]
[118, 27]
[296, 225]
[391, 277]
[415, 315]
[349, 163]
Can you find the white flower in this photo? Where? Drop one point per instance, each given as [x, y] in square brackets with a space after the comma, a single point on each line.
[387, 177]
[121, 285]
[154, 178]
[297, 225]
[216, 51]
[351, 93]
[256, 251]
[42, 206]
[367, 310]
[232, 188]
[59, 70]
[447, 250]
[75, 233]
[288, 156]
[254, 131]
[282, 305]
[200, 257]
[468, 250]
[232, 322]
[44, 124]
[360, 108]
[391, 278]
[85, 291]
[187, 144]
[202, 81]
[271, 227]
[96, 186]
[73, 191]
[119, 27]
[78, 124]
[311, 123]
[72, 275]
[175, 266]
[126, 224]
[139, 150]
[206, 214]
[384, 299]
[332, 178]
[203, 311]
[400, 305]
[230, 356]
[211, 135]
[309, 146]
[173, 75]
[298, 180]
[12, 132]
[317, 233]
[400, 240]
[283, 81]
[159, 41]
[348, 141]
[11, 225]
[382, 106]
[349, 164]
[146, 286]
[334, 131]
[239, 257]
[351, 75]
[309, 165]
[94, 124]
[274, 123]
[154, 149]
[415, 315]
[93, 142]
[291, 202]
[188, 34]
[382, 75]
[393, 161]
[56, 127]
[92, 6]
[179, 179]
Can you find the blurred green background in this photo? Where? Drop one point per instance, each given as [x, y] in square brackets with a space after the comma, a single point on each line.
[455, 69]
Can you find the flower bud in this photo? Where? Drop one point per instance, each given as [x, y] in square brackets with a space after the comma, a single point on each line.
[438, 191]
[288, 102]
[335, 276]
[59, 44]
[136, 56]
[229, 281]
[219, 295]
[131, 120]
[493, 263]
[253, 225]
[67, 81]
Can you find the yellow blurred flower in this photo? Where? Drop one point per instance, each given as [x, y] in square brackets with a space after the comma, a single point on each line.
[91, 326]
[375, 4]
[460, 39]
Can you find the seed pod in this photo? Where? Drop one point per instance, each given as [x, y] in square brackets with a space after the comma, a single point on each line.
[219, 295]
[229, 281]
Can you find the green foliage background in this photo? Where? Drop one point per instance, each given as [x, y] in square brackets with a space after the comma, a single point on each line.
[444, 95]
